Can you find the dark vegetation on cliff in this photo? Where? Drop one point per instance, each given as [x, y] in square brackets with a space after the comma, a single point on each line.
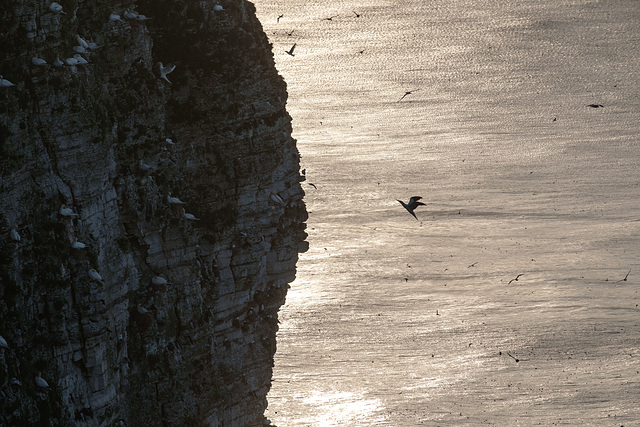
[178, 327]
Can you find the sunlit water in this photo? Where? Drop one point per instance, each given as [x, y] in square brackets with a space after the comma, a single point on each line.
[398, 322]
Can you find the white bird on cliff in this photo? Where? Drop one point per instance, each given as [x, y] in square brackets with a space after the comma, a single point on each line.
[37, 61]
[142, 310]
[79, 49]
[15, 236]
[217, 8]
[78, 245]
[189, 216]
[3, 342]
[4, 82]
[80, 59]
[57, 62]
[276, 199]
[159, 280]
[71, 61]
[169, 141]
[141, 17]
[165, 70]
[68, 212]
[114, 17]
[95, 275]
[56, 7]
[82, 42]
[174, 200]
[41, 382]
[129, 14]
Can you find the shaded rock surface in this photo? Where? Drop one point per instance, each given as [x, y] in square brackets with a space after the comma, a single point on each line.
[111, 140]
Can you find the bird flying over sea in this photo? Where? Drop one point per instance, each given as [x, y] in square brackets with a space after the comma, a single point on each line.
[290, 51]
[413, 203]
[409, 92]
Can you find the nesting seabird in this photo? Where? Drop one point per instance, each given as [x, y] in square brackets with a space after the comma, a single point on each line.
[290, 51]
[78, 245]
[15, 236]
[189, 216]
[142, 310]
[3, 342]
[413, 203]
[41, 382]
[56, 7]
[169, 141]
[80, 49]
[71, 61]
[276, 198]
[114, 17]
[130, 14]
[80, 59]
[165, 70]
[82, 42]
[57, 62]
[174, 200]
[65, 211]
[95, 275]
[159, 280]
[4, 82]
[141, 17]
[37, 61]
[217, 8]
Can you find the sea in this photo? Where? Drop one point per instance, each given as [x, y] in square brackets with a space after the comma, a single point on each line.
[513, 298]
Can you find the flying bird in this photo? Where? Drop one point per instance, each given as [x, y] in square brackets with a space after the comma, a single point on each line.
[278, 18]
[409, 92]
[514, 280]
[357, 14]
[165, 70]
[290, 51]
[595, 105]
[330, 18]
[413, 203]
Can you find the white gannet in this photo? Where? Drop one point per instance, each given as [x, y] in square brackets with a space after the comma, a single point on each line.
[217, 8]
[3, 342]
[165, 70]
[276, 199]
[142, 310]
[57, 62]
[15, 236]
[114, 17]
[78, 245]
[169, 141]
[189, 216]
[65, 211]
[80, 59]
[71, 61]
[413, 203]
[174, 200]
[79, 49]
[4, 82]
[158, 280]
[36, 60]
[41, 382]
[141, 17]
[56, 7]
[95, 275]
[82, 42]
[130, 14]
[144, 167]
[92, 46]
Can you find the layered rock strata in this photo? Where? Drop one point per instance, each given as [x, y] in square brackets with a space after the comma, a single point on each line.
[184, 190]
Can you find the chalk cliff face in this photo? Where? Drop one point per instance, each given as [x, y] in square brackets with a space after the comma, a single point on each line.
[179, 329]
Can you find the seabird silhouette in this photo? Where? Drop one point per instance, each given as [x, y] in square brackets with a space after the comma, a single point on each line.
[409, 92]
[41, 382]
[174, 200]
[290, 33]
[56, 7]
[165, 70]
[115, 17]
[36, 60]
[330, 18]
[290, 51]
[95, 275]
[357, 14]
[625, 277]
[413, 203]
[278, 18]
[595, 105]
[4, 82]
[514, 280]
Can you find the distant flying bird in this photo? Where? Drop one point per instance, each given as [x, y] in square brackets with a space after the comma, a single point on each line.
[165, 70]
[514, 280]
[413, 203]
[290, 51]
[330, 18]
[409, 92]
[595, 105]
[278, 18]
[290, 33]
[357, 14]
[625, 277]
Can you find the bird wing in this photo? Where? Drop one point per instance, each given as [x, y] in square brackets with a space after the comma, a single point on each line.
[292, 47]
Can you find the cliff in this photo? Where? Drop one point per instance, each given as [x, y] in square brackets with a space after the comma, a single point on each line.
[161, 318]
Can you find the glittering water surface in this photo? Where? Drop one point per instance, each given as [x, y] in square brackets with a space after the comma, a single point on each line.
[398, 322]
